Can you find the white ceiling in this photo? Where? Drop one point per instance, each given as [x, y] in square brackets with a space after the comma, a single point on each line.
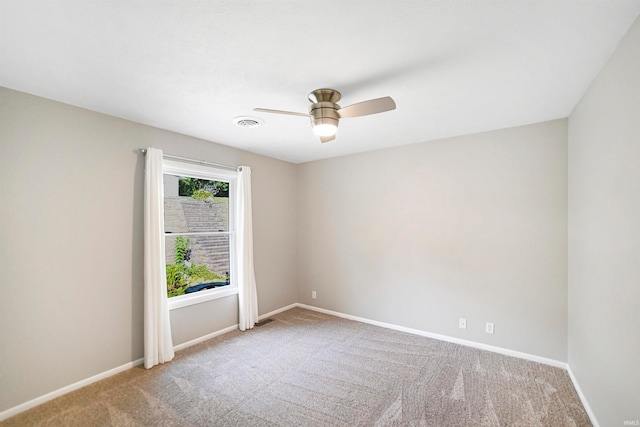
[191, 66]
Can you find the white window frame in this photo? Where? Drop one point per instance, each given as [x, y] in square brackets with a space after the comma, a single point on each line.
[178, 168]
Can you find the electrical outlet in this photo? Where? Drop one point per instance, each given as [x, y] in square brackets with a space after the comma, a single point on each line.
[313, 294]
[489, 328]
[462, 323]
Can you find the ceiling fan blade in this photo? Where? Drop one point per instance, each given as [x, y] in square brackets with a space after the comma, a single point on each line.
[364, 108]
[290, 113]
[324, 139]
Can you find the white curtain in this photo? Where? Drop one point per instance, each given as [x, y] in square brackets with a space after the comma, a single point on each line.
[247, 295]
[158, 346]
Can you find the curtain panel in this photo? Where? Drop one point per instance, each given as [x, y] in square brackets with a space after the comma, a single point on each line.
[158, 346]
[247, 293]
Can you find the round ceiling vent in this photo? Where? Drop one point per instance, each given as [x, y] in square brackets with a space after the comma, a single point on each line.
[248, 122]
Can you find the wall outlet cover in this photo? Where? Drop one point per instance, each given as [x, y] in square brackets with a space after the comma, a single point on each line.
[489, 328]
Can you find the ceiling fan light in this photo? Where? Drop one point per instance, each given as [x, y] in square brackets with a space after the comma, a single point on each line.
[325, 129]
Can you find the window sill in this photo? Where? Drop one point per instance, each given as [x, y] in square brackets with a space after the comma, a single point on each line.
[200, 297]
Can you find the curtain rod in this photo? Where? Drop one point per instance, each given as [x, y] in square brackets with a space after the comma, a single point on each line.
[202, 162]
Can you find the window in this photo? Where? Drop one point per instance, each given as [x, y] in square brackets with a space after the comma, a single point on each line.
[199, 232]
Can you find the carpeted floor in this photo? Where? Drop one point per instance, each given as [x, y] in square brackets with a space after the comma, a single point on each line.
[309, 369]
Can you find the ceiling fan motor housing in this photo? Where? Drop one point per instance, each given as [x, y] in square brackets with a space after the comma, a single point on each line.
[324, 113]
[324, 95]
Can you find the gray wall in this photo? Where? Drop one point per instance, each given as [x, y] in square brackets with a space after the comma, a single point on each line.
[604, 238]
[420, 235]
[71, 253]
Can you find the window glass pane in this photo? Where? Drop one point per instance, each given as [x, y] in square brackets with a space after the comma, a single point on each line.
[195, 205]
[196, 263]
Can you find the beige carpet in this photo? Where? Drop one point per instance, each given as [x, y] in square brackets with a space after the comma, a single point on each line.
[310, 369]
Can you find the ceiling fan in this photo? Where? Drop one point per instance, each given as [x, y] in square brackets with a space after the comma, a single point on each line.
[325, 113]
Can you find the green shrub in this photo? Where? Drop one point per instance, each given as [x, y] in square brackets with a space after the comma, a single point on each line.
[177, 280]
[182, 246]
[201, 274]
[180, 276]
[202, 194]
[187, 186]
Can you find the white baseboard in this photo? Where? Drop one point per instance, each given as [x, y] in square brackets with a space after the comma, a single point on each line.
[204, 338]
[481, 346]
[280, 310]
[227, 329]
[500, 350]
[583, 398]
[64, 390]
[75, 386]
